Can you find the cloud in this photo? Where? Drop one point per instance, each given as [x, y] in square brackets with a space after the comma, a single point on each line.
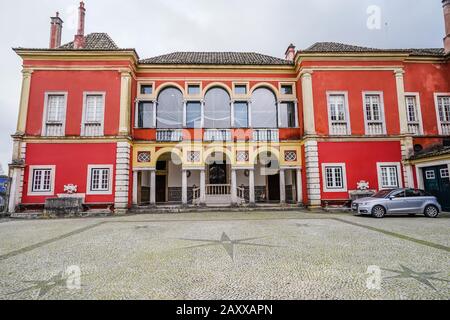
[160, 26]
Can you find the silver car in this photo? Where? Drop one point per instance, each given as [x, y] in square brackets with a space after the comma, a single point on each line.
[398, 201]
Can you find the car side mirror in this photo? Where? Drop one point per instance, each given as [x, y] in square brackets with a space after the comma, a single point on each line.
[391, 198]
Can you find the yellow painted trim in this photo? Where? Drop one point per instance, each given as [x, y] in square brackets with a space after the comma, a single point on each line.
[266, 149]
[432, 159]
[217, 84]
[265, 85]
[167, 85]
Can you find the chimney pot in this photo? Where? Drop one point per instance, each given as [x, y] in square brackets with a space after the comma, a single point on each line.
[80, 41]
[56, 25]
[290, 52]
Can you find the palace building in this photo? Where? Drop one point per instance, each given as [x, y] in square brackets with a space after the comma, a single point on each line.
[228, 128]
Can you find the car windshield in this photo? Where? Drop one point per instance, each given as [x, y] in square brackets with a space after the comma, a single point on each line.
[382, 194]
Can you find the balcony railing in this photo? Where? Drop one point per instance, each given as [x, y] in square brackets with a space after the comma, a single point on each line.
[414, 128]
[169, 135]
[217, 135]
[339, 128]
[53, 129]
[445, 128]
[93, 129]
[218, 189]
[266, 135]
[375, 128]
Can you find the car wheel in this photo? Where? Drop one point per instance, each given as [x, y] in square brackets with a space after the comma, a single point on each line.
[431, 211]
[378, 212]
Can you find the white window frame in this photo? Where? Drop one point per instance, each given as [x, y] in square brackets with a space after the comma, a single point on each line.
[446, 175]
[136, 113]
[44, 118]
[110, 167]
[344, 177]
[31, 182]
[346, 106]
[419, 109]
[102, 122]
[436, 105]
[380, 178]
[382, 111]
[430, 177]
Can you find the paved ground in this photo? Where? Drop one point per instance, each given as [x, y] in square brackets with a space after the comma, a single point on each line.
[294, 255]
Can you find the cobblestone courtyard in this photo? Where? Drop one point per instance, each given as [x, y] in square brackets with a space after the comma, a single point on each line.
[294, 255]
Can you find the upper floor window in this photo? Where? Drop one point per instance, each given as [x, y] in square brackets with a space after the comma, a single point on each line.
[55, 115]
[146, 89]
[338, 115]
[287, 89]
[264, 109]
[241, 115]
[94, 114]
[374, 114]
[145, 114]
[413, 114]
[170, 109]
[287, 115]
[193, 114]
[217, 111]
[194, 90]
[443, 112]
[240, 89]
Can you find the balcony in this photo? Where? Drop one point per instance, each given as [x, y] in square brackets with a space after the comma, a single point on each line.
[266, 135]
[375, 129]
[339, 128]
[414, 128]
[217, 135]
[445, 128]
[53, 129]
[175, 135]
[93, 129]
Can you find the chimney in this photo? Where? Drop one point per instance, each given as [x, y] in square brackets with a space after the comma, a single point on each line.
[290, 52]
[446, 5]
[55, 31]
[80, 42]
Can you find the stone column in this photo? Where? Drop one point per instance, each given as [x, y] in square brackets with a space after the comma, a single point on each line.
[202, 187]
[125, 101]
[135, 187]
[308, 103]
[401, 101]
[122, 177]
[184, 196]
[282, 186]
[24, 100]
[251, 184]
[312, 173]
[299, 187]
[153, 187]
[14, 189]
[233, 187]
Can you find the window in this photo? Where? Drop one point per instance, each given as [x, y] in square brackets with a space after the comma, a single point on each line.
[264, 109]
[413, 114]
[55, 115]
[443, 106]
[41, 180]
[415, 193]
[193, 115]
[170, 109]
[145, 114]
[374, 115]
[338, 114]
[240, 115]
[400, 194]
[94, 108]
[99, 179]
[445, 173]
[240, 89]
[430, 175]
[146, 89]
[287, 115]
[194, 90]
[334, 177]
[286, 89]
[217, 109]
[388, 175]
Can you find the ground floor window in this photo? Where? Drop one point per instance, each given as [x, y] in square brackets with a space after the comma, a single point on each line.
[41, 180]
[99, 179]
[334, 177]
[388, 175]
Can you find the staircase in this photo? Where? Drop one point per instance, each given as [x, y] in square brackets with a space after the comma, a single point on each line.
[218, 195]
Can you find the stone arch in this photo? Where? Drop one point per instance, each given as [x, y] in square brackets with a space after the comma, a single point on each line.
[219, 85]
[168, 150]
[168, 85]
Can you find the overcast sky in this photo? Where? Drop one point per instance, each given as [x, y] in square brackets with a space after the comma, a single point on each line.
[156, 27]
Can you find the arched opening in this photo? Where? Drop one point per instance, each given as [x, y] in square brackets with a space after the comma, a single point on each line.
[217, 113]
[264, 109]
[169, 111]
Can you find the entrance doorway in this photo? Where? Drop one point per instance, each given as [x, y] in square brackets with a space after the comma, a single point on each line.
[437, 182]
[161, 178]
[218, 173]
[273, 187]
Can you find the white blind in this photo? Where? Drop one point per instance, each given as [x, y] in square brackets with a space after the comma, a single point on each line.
[55, 108]
[94, 109]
